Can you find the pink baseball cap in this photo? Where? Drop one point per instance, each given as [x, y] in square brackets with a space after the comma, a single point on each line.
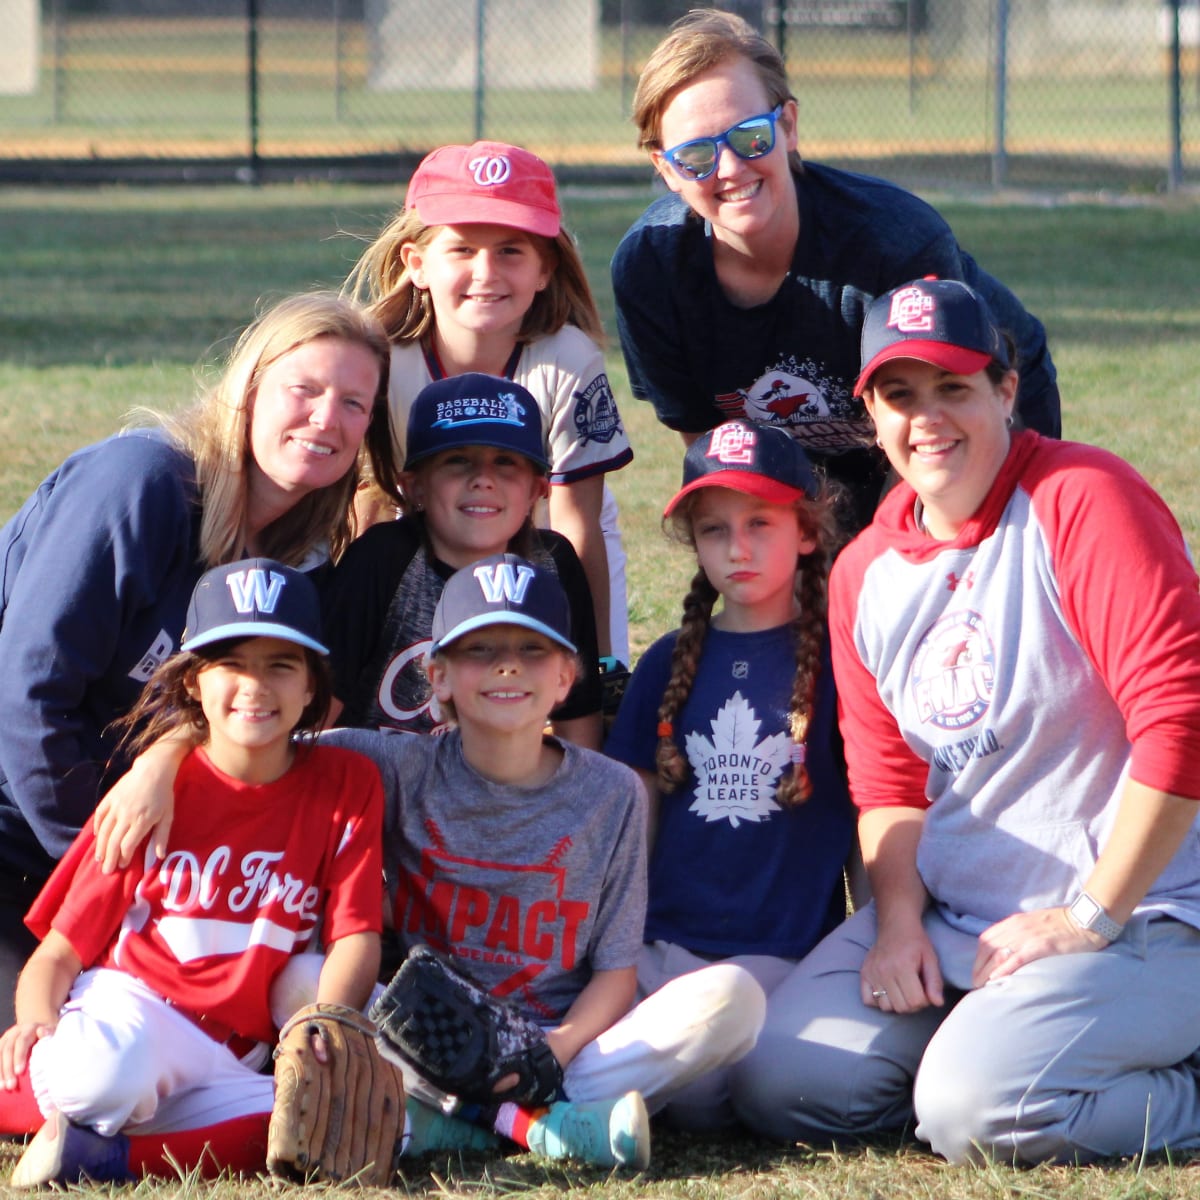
[487, 183]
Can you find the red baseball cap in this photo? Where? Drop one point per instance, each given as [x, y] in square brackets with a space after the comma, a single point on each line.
[487, 183]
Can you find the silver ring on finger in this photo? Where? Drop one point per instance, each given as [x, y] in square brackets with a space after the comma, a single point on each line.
[877, 993]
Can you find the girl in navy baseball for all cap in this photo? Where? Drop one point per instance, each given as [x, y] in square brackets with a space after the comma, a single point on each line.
[477, 273]
[730, 721]
[475, 467]
[147, 1009]
[1016, 640]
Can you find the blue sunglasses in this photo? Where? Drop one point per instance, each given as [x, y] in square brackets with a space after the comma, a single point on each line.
[751, 138]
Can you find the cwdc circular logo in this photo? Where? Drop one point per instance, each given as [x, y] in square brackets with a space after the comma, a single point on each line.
[490, 169]
[954, 672]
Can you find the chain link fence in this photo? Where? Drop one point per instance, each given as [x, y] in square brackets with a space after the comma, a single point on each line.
[1059, 93]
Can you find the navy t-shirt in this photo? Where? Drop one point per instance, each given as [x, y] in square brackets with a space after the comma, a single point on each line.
[793, 361]
[731, 871]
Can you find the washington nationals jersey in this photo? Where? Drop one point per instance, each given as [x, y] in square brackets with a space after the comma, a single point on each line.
[793, 361]
[1010, 679]
[379, 613]
[565, 374]
[732, 872]
[250, 875]
[532, 889]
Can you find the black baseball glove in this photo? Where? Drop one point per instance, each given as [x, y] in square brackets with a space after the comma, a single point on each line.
[460, 1039]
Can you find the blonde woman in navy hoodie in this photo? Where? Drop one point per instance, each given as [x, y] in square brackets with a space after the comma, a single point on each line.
[97, 566]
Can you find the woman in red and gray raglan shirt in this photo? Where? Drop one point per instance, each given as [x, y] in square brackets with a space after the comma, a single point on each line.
[1016, 644]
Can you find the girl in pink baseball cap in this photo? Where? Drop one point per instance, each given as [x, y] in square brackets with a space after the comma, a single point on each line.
[477, 274]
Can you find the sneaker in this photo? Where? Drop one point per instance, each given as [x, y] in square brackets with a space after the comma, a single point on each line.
[63, 1152]
[606, 1133]
[426, 1130]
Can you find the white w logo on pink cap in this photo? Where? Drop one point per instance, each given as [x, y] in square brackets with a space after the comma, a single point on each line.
[490, 169]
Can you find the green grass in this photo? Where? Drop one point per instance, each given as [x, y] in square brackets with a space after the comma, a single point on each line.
[112, 298]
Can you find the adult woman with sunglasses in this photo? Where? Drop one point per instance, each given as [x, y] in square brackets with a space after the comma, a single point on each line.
[742, 293]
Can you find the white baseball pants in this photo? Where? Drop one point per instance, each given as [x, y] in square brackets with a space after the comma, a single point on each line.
[122, 1059]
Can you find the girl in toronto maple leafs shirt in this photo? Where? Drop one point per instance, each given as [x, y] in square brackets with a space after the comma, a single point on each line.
[146, 1008]
[730, 722]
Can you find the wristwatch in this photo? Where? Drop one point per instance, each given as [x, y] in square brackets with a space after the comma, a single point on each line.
[1088, 913]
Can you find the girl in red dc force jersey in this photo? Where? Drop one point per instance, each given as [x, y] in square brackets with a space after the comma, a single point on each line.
[146, 1009]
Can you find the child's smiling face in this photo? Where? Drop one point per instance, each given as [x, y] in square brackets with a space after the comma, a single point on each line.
[475, 500]
[253, 696]
[503, 678]
[482, 279]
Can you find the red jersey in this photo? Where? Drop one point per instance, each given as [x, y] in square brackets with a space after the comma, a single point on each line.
[252, 871]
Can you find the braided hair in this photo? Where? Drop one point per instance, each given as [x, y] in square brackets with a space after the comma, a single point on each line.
[808, 628]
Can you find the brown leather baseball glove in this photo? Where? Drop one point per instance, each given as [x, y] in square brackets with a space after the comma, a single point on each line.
[339, 1105]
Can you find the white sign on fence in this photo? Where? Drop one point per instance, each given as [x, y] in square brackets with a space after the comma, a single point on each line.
[19, 47]
[526, 44]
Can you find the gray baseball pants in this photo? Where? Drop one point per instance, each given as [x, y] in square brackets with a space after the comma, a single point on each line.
[1072, 1058]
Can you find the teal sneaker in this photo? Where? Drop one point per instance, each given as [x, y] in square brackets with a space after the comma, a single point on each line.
[63, 1152]
[427, 1130]
[605, 1133]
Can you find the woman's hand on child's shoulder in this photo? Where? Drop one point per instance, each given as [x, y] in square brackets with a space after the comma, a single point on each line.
[15, 1045]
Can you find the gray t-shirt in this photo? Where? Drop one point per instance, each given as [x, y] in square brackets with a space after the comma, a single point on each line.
[531, 889]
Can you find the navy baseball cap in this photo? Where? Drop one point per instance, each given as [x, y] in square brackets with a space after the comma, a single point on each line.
[503, 589]
[474, 410]
[747, 456]
[256, 597]
[938, 321]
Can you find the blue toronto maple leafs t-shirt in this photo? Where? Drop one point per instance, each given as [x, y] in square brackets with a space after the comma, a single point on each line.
[731, 871]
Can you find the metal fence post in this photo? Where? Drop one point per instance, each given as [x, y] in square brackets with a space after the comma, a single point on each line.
[999, 150]
[480, 86]
[1175, 166]
[251, 173]
[337, 60]
[910, 20]
[58, 40]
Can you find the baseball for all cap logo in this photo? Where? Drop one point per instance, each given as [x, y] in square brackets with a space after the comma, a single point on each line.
[912, 311]
[732, 443]
[504, 581]
[255, 590]
[488, 170]
[503, 408]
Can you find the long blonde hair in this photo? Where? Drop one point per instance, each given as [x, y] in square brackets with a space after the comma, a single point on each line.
[817, 521]
[700, 40]
[380, 279]
[215, 432]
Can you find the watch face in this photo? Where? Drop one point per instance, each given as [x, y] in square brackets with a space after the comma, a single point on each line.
[1085, 910]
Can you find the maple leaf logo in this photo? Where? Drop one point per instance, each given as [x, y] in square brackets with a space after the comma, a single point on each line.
[735, 772]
